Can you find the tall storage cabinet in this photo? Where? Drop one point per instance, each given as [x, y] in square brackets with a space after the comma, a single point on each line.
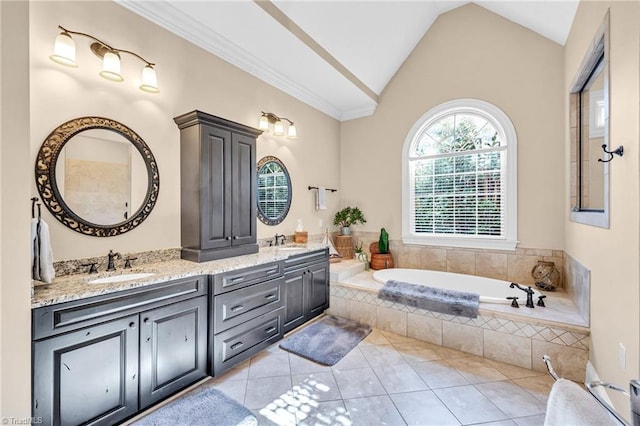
[218, 181]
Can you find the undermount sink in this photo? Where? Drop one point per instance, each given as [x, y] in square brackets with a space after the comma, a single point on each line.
[121, 278]
[290, 248]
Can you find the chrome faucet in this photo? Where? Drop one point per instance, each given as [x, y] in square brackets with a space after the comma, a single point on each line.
[529, 292]
[111, 256]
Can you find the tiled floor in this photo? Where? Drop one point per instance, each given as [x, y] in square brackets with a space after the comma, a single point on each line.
[387, 380]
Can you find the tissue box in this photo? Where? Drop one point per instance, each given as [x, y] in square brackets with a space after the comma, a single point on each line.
[300, 237]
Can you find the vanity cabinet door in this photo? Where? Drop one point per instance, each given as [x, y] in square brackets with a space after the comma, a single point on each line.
[294, 299]
[215, 200]
[244, 190]
[317, 282]
[87, 376]
[173, 348]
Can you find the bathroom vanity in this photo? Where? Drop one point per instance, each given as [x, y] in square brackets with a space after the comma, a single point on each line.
[102, 358]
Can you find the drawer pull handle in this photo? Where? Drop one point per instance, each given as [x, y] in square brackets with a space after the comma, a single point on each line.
[270, 329]
[236, 346]
[237, 308]
[270, 296]
[272, 271]
[236, 279]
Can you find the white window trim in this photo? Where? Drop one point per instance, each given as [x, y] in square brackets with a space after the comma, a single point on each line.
[476, 106]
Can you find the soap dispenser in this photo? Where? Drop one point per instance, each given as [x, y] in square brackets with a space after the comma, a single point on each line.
[300, 236]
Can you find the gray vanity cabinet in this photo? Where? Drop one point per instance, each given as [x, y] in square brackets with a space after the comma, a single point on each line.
[218, 182]
[101, 359]
[87, 376]
[306, 287]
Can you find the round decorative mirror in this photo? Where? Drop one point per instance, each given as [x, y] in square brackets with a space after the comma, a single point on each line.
[97, 176]
[274, 191]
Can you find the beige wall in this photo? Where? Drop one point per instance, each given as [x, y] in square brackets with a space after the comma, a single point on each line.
[15, 179]
[612, 254]
[189, 78]
[468, 53]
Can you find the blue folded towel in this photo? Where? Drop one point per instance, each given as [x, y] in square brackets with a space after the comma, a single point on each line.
[434, 299]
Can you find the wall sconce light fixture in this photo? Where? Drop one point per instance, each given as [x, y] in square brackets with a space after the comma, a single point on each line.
[278, 125]
[64, 53]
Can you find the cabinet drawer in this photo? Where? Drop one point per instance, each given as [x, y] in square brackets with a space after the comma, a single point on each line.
[64, 317]
[304, 259]
[235, 307]
[232, 280]
[241, 342]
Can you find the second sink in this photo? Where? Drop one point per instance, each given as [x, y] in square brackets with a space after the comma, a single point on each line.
[120, 278]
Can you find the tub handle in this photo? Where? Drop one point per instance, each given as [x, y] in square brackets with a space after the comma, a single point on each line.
[514, 301]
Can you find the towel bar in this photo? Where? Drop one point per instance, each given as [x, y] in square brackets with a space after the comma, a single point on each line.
[590, 387]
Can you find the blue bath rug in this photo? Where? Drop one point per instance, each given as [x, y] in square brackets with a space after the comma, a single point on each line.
[433, 299]
[204, 406]
[326, 341]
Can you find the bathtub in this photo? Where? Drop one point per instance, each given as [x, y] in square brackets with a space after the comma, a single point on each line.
[490, 290]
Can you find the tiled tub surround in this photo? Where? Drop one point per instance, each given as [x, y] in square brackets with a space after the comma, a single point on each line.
[501, 333]
[513, 266]
[73, 287]
[578, 285]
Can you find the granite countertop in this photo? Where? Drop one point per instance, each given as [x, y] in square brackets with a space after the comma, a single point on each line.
[74, 287]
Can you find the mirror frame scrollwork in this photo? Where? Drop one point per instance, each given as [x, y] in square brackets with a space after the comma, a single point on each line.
[45, 173]
[274, 221]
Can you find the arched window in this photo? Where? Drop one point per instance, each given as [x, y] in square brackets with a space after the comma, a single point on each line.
[459, 178]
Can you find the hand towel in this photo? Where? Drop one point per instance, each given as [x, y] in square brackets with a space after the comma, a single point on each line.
[41, 252]
[321, 198]
[569, 404]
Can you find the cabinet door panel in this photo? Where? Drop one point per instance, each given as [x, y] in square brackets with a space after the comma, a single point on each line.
[88, 376]
[244, 190]
[294, 299]
[318, 282]
[216, 177]
[173, 344]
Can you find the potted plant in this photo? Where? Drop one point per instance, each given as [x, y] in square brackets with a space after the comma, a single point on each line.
[347, 217]
[380, 255]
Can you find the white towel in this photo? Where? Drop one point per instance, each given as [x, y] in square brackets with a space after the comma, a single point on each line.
[41, 253]
[569, 404]
[321, 198]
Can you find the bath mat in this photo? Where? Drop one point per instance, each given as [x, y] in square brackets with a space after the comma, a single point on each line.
[327, 341]
[205, 406]
[434, 299]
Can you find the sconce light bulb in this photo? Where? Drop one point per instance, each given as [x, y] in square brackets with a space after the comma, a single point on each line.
[64, 50]
[111, 67]
[278, 128]
[292, 132]
[149, 80]
[264, 123]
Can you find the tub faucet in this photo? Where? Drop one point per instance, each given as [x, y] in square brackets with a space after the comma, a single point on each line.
[111, 256]
[529, 292]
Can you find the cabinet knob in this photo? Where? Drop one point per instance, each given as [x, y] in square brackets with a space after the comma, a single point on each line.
[146, 320]
[132, 324]
[227, 238]
[235, 237]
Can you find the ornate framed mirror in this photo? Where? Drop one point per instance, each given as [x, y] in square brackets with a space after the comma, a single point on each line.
[274, 191]
[97, 176]
[589, 123]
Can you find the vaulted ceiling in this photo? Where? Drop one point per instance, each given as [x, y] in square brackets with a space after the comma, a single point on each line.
[337, 56]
